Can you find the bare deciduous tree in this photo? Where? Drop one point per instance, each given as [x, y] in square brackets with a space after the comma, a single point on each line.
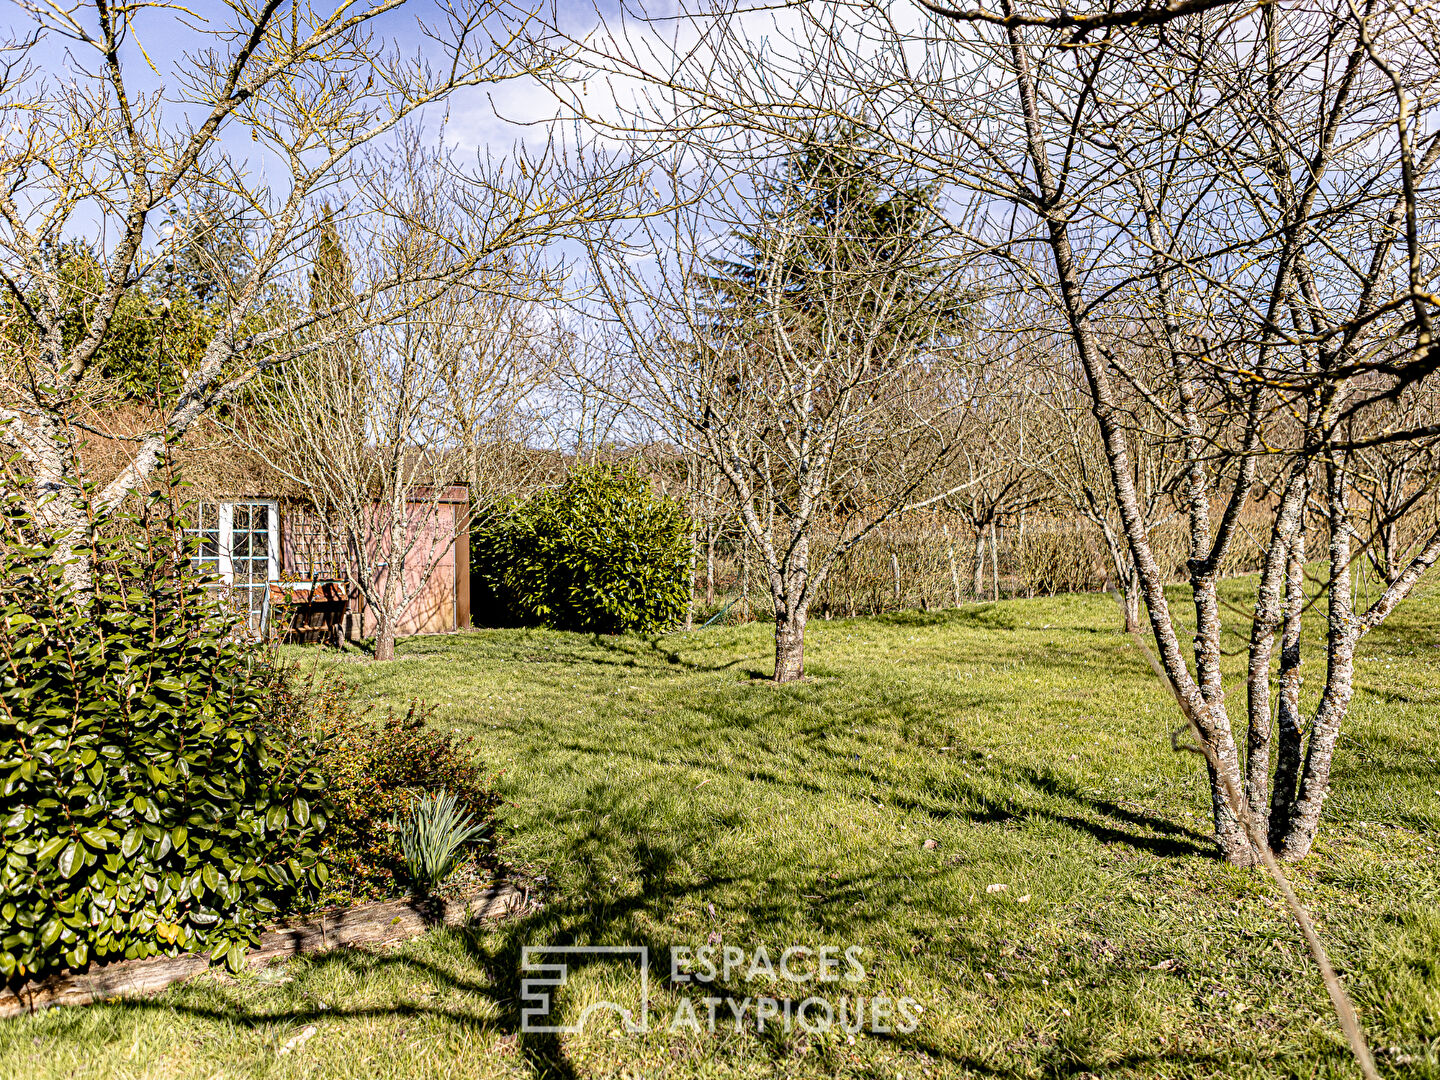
[1251, 189]
[503, 345]
[1272, 221]
[1397, 483]
[1067, 451]
[816, 369]
[376, 427]
[995, 462]
[105, 152]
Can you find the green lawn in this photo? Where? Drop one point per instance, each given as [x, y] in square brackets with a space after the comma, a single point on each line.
[668, 796]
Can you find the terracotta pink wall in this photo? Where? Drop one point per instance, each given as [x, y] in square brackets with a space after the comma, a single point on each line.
[432, 527]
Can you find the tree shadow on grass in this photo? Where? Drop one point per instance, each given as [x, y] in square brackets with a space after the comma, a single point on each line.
[494, 990]
[1038, 793]
[484, 964]
[1107, 821]
[982, 615]
[625, 652]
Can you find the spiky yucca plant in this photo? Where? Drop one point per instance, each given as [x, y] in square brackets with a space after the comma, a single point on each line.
[431, 834]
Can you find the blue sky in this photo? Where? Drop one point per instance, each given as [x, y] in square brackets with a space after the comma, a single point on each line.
[156, 55]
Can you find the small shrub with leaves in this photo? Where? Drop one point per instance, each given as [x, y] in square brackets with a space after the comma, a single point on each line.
[142, 809]
[431, 834]
[601, 553]
[371, 772]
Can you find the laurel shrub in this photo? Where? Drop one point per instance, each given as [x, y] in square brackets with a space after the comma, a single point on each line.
[144, 807]
[602, 553]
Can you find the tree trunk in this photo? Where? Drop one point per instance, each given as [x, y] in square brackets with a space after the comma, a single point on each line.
[384, 636]
[70, 520]
[1017, 546]
[1269, 611]
[1299, 832]
[1287, 713]
[1230, 834]
[709, 564]
[745, 571]
[387, 612]
[1390, 544]
[954, 570]
[1130, 595]
[895, 574]
[1127, 578]
[979, 582]
[789, 642]
[58, 504]
[694, 559]
[994, 564]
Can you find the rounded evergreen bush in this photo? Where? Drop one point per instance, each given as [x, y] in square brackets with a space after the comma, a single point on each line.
[143, 809]
[601, 553]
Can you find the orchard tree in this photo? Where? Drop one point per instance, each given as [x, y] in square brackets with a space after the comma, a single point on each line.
[376, 425]
[813, 359]
[1246, 193]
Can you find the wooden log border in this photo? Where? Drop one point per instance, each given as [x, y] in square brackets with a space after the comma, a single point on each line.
[366, 924]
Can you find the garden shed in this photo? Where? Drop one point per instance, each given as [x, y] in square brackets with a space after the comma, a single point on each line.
[283, 568]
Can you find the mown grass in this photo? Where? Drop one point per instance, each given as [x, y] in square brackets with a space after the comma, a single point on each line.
[668, 796]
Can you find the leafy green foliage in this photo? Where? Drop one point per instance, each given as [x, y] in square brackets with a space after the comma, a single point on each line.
[163, 322]
[601, 553]
[370, 772]
[651, 783]
[431, 834]
[142, 809]
[332, 280]
[158, 331]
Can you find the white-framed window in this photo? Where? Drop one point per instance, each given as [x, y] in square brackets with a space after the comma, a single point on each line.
[239, 543]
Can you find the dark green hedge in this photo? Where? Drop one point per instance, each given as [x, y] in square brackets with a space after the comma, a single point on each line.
[142, 809]
[600, 553]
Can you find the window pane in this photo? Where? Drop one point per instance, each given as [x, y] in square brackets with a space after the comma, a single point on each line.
[204, 534]
[248, 544]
